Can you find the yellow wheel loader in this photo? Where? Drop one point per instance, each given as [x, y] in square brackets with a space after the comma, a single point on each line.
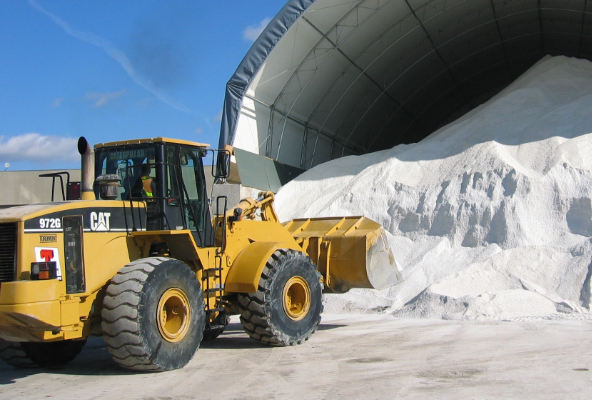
[140, 261]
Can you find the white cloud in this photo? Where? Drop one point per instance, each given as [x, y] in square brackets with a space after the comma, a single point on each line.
[147, 100]
[57, 102]
[103, 98]
[218, 117]
[199, 131]
[36, 148]
[252, 32]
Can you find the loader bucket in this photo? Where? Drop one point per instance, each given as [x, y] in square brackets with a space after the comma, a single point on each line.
[351, 252]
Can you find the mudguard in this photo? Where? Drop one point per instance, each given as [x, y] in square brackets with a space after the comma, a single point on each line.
[244, 274]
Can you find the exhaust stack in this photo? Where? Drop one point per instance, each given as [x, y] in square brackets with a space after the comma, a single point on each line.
[87, 169]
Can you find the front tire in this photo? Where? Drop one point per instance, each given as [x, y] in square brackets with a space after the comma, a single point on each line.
[153, 315]
[40, 354]
[286, 309]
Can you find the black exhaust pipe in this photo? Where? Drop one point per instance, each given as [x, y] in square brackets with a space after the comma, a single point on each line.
[87, 169]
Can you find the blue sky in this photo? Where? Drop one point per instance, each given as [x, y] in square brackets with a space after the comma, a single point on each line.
[116, 69]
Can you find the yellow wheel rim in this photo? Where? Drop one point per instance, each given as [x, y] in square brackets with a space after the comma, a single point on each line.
[296, 298]
[173, 315]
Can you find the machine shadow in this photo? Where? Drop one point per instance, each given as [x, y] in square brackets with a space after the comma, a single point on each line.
[9, 374]
[94, 359]
[234, 337]
[326, 327]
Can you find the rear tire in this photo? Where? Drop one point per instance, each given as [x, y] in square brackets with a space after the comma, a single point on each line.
[153, 315]
[40, 354]
[286, 309]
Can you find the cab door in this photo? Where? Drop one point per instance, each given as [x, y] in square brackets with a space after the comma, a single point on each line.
[187, 203]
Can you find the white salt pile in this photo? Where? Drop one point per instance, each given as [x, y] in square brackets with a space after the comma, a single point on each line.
[490, 216]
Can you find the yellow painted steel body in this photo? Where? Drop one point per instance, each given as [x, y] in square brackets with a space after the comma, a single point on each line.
[343, 248]
[82, 245]
[42, 309]
[246, 270]
[158, 139]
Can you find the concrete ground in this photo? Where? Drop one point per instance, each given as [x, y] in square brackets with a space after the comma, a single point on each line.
[350, 357]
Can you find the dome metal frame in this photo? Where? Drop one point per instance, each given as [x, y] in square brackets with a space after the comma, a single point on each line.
[331, 78]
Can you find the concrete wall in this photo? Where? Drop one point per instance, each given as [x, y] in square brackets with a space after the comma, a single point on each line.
[26, 187]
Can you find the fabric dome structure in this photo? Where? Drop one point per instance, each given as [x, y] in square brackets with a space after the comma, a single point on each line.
[330, 78]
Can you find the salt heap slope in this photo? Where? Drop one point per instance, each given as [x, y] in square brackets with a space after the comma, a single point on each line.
[490, 216]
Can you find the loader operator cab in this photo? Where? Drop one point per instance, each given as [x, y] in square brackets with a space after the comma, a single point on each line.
[167, 174]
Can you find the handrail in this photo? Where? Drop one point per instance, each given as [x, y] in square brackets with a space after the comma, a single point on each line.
[55, 175]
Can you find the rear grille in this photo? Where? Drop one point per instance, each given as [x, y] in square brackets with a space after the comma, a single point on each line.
[7, 252]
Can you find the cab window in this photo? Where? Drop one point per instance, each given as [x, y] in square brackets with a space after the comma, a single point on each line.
[135, 167]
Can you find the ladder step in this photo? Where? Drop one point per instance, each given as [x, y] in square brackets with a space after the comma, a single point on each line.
[213, 310]
[213, 290]
[211, 273]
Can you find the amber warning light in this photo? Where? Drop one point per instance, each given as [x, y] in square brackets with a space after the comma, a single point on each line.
[44, 270]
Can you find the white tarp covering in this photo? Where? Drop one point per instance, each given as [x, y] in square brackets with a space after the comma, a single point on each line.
[329, 78]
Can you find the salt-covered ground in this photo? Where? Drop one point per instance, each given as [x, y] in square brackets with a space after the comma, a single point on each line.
[350, 357]
[490, 217]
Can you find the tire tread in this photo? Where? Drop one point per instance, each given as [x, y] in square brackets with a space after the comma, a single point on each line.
[255, 315]
[121, 325]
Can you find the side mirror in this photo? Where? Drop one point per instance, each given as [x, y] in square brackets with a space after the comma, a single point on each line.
[222, 164]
